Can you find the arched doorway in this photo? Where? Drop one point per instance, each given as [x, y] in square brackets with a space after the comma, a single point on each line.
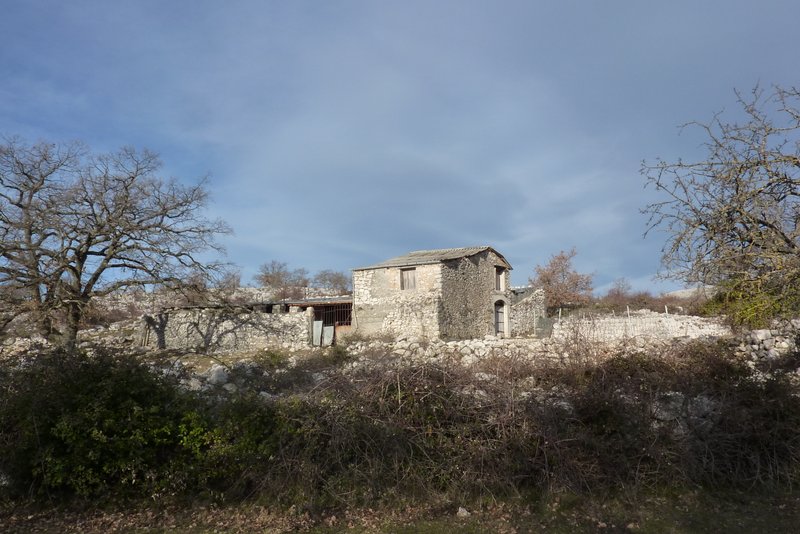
[501, 318]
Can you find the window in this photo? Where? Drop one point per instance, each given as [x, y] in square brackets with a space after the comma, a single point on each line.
[500, 278]
[408, 279]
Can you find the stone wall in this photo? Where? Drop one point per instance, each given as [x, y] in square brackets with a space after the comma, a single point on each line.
[763, 349]
[381, 307]
[471, 351]
[642, 323]
[526, 313]
[782, 338]
[219, 329]
[469, 295]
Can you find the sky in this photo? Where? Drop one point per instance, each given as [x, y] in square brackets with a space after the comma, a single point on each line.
[337, 134]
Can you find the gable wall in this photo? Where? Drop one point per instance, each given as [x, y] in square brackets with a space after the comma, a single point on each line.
[468, 296]
[380, 306]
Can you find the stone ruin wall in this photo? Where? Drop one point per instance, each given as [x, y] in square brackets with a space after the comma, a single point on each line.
[380, 307]
[220, 330]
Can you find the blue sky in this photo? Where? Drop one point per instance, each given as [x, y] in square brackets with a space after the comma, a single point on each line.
[341, 133]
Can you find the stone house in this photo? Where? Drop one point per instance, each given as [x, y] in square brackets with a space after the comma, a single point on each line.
[455, 293]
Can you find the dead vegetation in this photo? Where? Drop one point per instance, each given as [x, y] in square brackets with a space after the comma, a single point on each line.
[335, 434]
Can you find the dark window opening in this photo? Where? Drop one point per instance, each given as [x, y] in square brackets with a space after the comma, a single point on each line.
[336, 315]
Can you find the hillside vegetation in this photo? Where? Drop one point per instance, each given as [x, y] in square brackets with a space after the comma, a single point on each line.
[104, 427]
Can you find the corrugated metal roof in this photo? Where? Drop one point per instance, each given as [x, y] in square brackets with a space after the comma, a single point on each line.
[425, 257]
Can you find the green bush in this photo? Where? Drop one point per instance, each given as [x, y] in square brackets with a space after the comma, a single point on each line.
[232, 454]
[756, 303]
[71, 424]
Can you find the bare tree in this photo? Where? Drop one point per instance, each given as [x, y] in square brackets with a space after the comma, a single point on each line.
[75, 226]
[563, 286]
[336, 282]
[733, 218]
[286, 283]
[619, 294]
[230, 281]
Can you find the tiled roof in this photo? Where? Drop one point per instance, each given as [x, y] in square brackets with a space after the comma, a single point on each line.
[425, 257]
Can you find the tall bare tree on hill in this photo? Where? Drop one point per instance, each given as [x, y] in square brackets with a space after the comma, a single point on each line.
[76, 225]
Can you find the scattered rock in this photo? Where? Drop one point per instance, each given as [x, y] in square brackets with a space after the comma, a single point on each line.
[217, 375]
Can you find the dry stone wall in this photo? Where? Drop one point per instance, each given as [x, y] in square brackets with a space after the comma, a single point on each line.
[471, 351]
[526, 313]
[782, 338]
[219, 330]
[643, 323]
[577, 340]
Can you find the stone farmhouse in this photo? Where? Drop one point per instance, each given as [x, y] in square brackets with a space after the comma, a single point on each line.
[454, 293]
[445, 294]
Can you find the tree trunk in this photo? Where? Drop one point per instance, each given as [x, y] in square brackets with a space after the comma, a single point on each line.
[45, 325]
[74, 315]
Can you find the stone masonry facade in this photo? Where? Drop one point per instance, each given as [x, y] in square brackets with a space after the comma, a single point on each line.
[381, 307]
[453, 294]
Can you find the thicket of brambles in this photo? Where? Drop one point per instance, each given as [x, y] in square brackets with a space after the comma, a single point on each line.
[78, 427]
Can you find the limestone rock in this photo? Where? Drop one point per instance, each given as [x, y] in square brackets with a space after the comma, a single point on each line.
[217, 375]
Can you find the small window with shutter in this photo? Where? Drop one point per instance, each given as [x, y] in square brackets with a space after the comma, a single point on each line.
[408, 279]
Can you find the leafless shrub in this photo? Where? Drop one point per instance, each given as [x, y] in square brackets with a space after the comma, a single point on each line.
[397, 431]
[578, 342]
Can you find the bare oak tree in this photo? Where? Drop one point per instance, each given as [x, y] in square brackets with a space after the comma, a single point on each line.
[335, 282]
[76, 225]
[286, 283]
[733, 218]
[563, 286]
